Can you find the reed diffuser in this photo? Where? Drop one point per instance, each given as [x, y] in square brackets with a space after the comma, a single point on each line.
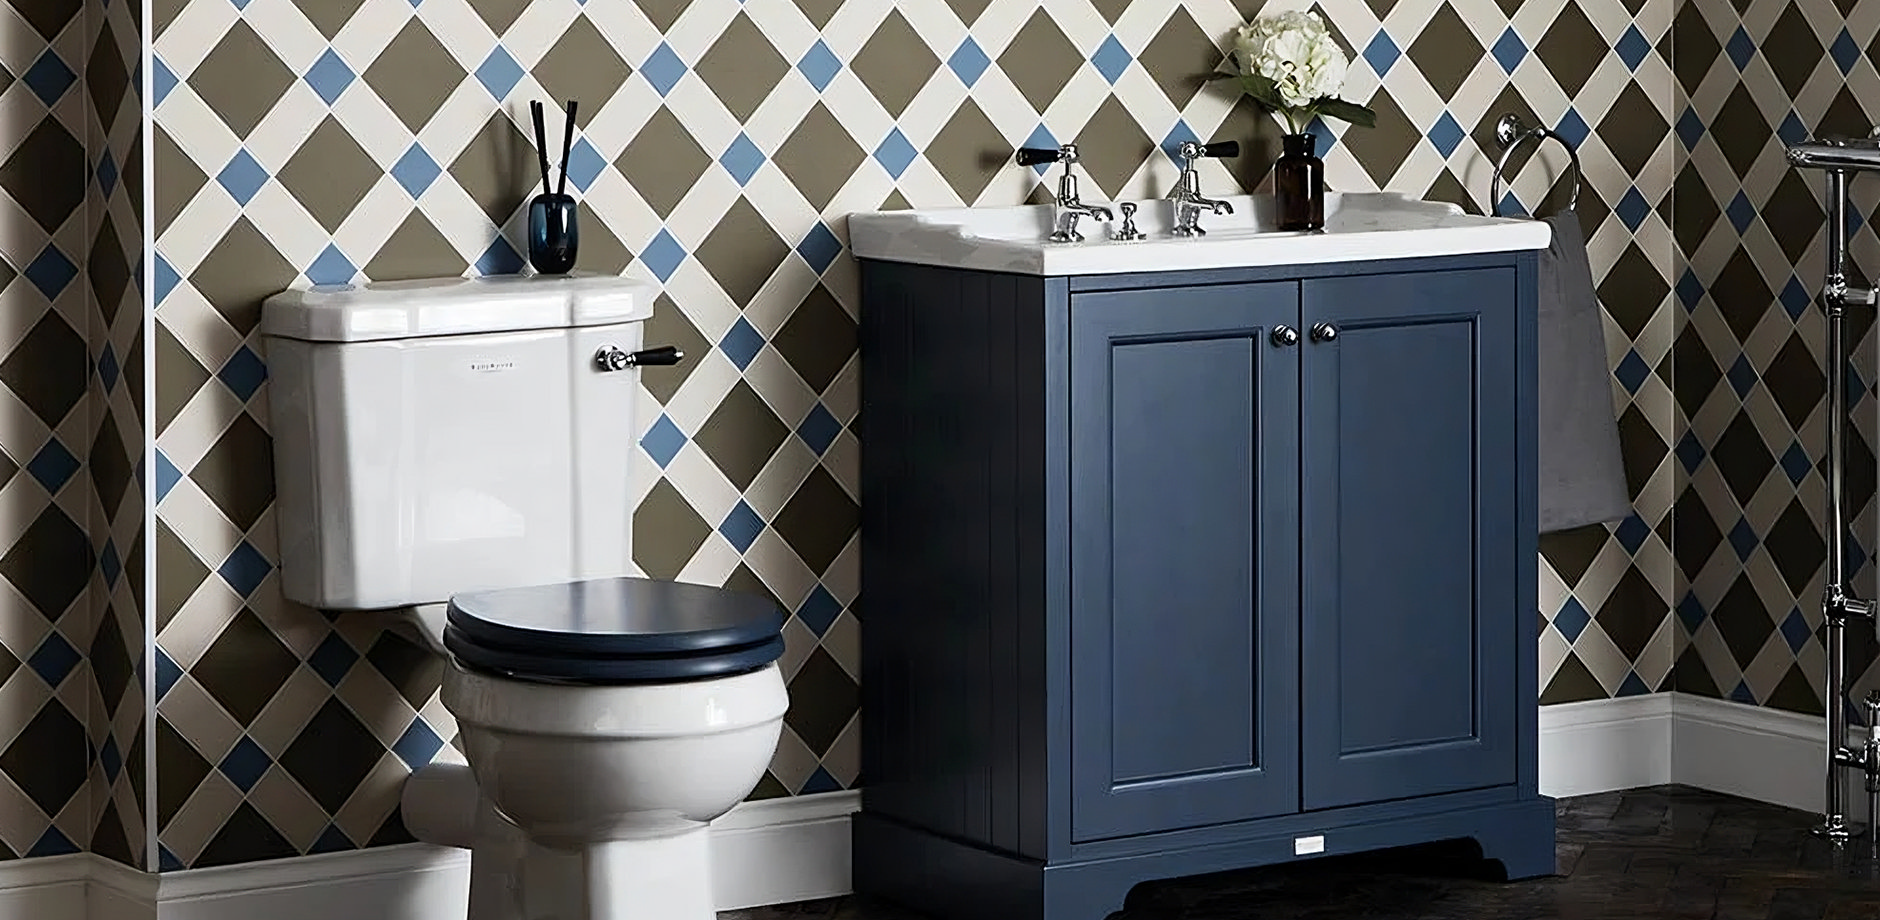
[553, 236]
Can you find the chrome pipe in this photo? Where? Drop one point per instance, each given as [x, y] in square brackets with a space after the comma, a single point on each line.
[1858, 155]
[1870, 762]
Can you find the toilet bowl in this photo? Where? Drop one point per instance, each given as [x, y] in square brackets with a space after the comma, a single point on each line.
[457, 452]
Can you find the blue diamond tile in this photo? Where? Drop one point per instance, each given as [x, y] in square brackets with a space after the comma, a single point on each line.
[1855, 384]
[1740, 212]
[1742, 375]
[663, 69]
[107, 173]
[242, 177]
[109, 565]
[819, 429]
[53, 466]
[500, 259]
[1690, 290]
[1690, 128]
[1741, 693]
[1509, 51]
[108, 368]
[1690, 452]
[1795, 630]
[1632, 371]
[742, 159]
[969, 61]
[819, 781]
[1853, 555]
[167, 279]
[54, 659]
[167, 475]
[1381, 53]
[819, 65]
[1743, 539]
[49, 78]
[1632, 685]
[663, 441]
[1795, 298]
[168, 673]
[333, 659]
[584, 164]
[415, 171]
[499, 73]
[244, 569]
[52, 843]
[1510, 204]
[1796, 463]
[1792, 131]
[417, 745]
[1319, 129]
[1041, 137]
[741, 526]
[51, 271]
[895, 154]
[332, 840]
[1633, 209]
[110, 759]
[1691, 613]
[1573, 129]
[1632, 533]
[819, 610]
[1446, 134]
[1572, 619]
[329, 77]
[741, 343]
[1845, 52]
[331, 267]
[162, 80]
[243, 374]
[1111, 59]
[1177, 136]
[1740, 48]
[166, 860]
[663, 255]
[820, 247]
[245, 764]
[1632, 47]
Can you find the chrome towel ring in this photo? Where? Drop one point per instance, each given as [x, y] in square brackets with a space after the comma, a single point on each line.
[1510, 132]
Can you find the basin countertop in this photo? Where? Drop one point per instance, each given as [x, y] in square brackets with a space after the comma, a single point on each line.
[1358, 226]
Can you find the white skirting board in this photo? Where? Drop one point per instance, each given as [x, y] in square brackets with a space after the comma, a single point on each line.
[795, 849]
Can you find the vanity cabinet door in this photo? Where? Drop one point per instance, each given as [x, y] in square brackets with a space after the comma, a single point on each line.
[1408, 578]
[1183, 557]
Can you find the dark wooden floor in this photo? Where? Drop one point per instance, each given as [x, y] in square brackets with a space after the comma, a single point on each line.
[1663, 852]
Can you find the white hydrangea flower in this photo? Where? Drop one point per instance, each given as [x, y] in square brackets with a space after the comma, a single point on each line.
[1296, 51]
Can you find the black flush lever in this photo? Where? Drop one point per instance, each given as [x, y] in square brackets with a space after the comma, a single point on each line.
[613, 358]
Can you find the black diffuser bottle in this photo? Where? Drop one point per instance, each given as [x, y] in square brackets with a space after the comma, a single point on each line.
[553, 235]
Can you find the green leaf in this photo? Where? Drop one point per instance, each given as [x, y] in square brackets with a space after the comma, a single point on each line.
[1263, 90]
[1348, 111]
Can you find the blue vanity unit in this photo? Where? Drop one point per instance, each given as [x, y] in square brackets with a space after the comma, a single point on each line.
[1187, 555]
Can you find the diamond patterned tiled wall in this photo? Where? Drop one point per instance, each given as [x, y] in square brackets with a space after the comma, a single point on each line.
[1752, 353]
[721, 145]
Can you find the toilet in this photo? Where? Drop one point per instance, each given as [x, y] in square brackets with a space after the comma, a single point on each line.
[454, 456]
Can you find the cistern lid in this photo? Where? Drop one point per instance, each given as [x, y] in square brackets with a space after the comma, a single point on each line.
[427, 307]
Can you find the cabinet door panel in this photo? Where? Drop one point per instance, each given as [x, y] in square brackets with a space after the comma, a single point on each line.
[1409, 577]
[1183, 571]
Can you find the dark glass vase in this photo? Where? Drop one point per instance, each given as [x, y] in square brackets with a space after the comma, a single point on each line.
[1299, 184]
[553, 236]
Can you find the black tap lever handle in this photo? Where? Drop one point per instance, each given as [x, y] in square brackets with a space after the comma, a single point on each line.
[1228, 149]
[1033, 156]
[661, 356]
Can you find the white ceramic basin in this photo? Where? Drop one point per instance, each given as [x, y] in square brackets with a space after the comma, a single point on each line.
[1358, 225]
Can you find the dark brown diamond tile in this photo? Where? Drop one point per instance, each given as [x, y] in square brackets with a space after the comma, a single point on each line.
[178, 179]
[1633, 290]
[1742, 294]
[240, 272]
[823, 698]
[1697, 47]
[1740, 130]
[582, 66]
[969, 11]
[670, 326]
[1642, 450]
[968, 152]
[1124, 149]
[819, 157]
[47, 759]
[743, 580]
[244, 667]
[666, 532]
[663, 162]
[182, 573]
[414, 75]
[663, 13]
[331, 755]
[106, 78]
[498, 169]
[1572, 683]
[1697, 535]
[8, 664]
[1743, 458]
[109, 839]
[181, 767]
[417, 250]
[1508, 101]
[1446, 52]
[1633, 129]
[1743, 621]
[329, 16]
[601, 251]
[1795, 545]
[47, 17]
[742, 252]
[330, 174]
[237, 472]
[1694, 209]
[818, 340]
[1571, 552]
[1572, 49]
[1040, 60]
[1259, 137]
[245, 837]
[110, 467]
[414, 671]
[1632, 613]
[1793, 214]
[107, 268]
[895, 63]
[742, 67]
[1110, 9]
[1692, 675]
[499, 15]
[179, 376]
[1179, 57]
[46, 174]
[241, 79]
[819, 520]
[110, 661]
[1794, 693]
[741, 435]
[1793, 51]
[1796, 380]
[1382, 150]
[46, 370]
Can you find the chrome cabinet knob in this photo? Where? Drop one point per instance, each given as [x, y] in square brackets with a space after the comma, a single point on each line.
[1324, 332]
[1284, 336]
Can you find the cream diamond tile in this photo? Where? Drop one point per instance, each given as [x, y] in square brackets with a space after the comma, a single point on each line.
[201, 619]
[843, 459]
[291, 709]
[196, 428]
[537, 29]
[200, 719]
[286, 31]
[286, 127]
[714, 377]
[371, 28]
[1553, 651]
[374, 127]
[198, 523]
[778, 383]
[25, 821]
[843, 577]
[843, 641]
[714, 562]
[288, 227]
[626, 28]
[1659, 654]
[784, 24]
[378, 704]
[461, 31]
[1607, 568]
[780, 569]
[288, 807]
[793, 762]
[24, 692]
[1769, 666]
[375, 798]
[843, 760]
[192, 35]
[378, 215]
[188, 238]
[1606, 662]
[1067, 114]
[777, 483]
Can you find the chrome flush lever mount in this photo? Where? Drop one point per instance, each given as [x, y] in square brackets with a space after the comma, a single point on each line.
[615, 358]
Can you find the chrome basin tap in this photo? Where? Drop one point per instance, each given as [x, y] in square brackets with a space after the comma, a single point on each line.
[1189, 202]
[1067, 208]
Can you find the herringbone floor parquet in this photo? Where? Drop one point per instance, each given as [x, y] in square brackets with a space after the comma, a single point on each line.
[1663, 852]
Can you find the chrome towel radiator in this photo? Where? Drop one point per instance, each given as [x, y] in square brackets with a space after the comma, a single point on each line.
[1840, 159]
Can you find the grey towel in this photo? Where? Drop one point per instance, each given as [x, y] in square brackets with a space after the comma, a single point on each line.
[1582, 475]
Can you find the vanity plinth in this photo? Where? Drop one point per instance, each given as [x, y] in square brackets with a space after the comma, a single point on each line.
[1174, 572]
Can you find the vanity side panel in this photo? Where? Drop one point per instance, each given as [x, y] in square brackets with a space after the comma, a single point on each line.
[952, 552]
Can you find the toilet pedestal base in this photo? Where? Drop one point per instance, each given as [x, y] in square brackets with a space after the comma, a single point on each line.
[668, 878]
